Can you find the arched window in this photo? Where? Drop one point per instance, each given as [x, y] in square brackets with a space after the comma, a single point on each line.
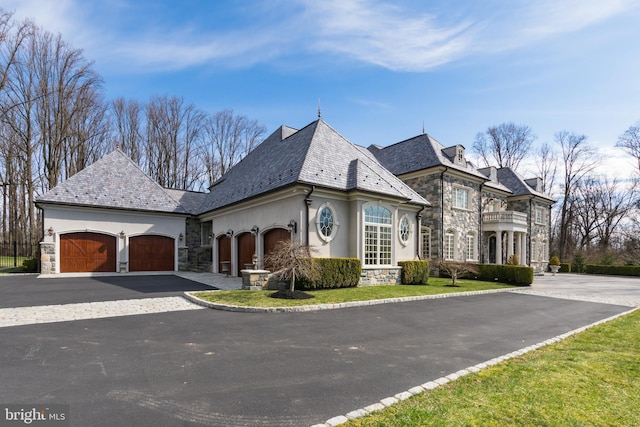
[471, 247]
[377, 235]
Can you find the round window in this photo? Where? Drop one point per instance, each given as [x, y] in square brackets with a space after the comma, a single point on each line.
[326, 222]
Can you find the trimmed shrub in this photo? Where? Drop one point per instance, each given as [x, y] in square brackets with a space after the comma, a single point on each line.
[414, 272]
[512, 274]
[614, 270]
[565, 267]
[578, 262]
[30, 265]
[554, 260]
[334, 273]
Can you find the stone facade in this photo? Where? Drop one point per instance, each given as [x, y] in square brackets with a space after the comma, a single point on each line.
[199, 257]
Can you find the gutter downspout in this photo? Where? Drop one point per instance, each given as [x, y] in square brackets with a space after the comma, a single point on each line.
[419, 231]
[307, 202]
[529, 231]
[446, 168]
[480, 237]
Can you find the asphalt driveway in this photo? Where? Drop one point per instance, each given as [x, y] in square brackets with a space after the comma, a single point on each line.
[28, 290]
[207, 367]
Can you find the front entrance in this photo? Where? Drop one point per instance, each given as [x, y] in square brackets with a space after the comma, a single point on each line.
[492, 250]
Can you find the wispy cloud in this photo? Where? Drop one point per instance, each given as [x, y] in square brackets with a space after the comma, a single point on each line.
[386, 34]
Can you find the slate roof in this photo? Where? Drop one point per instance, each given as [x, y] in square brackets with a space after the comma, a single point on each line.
[424, 152]
[114, 181]
[315, 155]
[517, 184]
[189, 200]
[417, 153]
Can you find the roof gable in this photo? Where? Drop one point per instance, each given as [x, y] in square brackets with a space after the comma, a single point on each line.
[518, 185]
[114, 181]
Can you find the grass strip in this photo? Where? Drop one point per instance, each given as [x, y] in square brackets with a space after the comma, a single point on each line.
[333, 296]
[590, 379]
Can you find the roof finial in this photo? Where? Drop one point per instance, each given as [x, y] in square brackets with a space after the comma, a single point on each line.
[319, 110]
[423, 127]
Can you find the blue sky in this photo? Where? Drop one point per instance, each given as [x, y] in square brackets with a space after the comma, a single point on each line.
[380, 69]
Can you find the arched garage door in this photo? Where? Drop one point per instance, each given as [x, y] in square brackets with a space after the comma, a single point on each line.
[87, 252]
[151, 253]
[246, 249]
[271, 239]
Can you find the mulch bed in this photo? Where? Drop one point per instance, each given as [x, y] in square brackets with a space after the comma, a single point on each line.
[287, 294]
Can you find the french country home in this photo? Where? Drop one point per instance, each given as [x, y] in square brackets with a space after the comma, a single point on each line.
[412, 200]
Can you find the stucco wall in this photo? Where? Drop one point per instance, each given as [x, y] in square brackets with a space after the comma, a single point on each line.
[112, 222]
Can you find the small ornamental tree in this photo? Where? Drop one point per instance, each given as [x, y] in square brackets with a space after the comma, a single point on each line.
[456, 269]
[290, 260]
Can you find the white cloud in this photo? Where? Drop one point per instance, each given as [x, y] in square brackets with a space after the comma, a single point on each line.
[390, 35]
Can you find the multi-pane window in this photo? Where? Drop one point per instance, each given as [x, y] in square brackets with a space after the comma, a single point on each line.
[404, 230]
[377, 236]
[471, 247]
[326, 222]
[449, 245]
[539, 215]
[460, 198]
[426, 243]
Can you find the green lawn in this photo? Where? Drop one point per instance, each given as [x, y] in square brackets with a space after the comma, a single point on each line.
[591, 379]
[333, 296]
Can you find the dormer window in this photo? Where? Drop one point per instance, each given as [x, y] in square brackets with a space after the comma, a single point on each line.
[460, 156]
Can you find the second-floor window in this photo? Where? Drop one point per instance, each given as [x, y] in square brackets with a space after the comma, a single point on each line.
[460, 198]
[539, 215]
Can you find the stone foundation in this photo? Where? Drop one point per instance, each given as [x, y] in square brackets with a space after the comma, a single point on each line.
[381, 276]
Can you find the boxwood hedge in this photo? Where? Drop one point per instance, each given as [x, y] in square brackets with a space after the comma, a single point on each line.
[334, 273]
[414, 272]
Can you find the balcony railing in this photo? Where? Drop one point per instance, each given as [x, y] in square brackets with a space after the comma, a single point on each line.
[504, 217]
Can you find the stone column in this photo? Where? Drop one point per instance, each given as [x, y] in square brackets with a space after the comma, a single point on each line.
[47, 257]
[523, 249]
[519, 247]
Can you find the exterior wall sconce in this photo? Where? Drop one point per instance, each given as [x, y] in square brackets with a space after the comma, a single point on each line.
[293, 225]
[255, 230]
[122, 235]
[50, 231]
[229, 233]
[181, 237]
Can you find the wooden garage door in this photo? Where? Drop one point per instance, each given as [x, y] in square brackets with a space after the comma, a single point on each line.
[151, 253]
[271, 239]
[224, 254]
[87, 252]
[246, 249]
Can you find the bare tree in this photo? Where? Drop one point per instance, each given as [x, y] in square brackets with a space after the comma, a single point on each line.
[457, 269]
[506, 144]
[630, 142]
[578, 160]
[127, 127]
[173, 130]
[547, 166]
[228, 138]
[292, 259]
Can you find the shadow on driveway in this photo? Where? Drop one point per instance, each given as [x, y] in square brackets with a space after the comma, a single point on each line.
[28, 290]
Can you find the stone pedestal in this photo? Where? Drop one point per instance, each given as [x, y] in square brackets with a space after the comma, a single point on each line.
[254, 280]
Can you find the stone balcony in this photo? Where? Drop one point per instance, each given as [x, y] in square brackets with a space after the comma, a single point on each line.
[505, 221]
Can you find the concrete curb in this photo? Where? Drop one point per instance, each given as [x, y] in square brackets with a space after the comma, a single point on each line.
[388, 401]
[305, 308]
